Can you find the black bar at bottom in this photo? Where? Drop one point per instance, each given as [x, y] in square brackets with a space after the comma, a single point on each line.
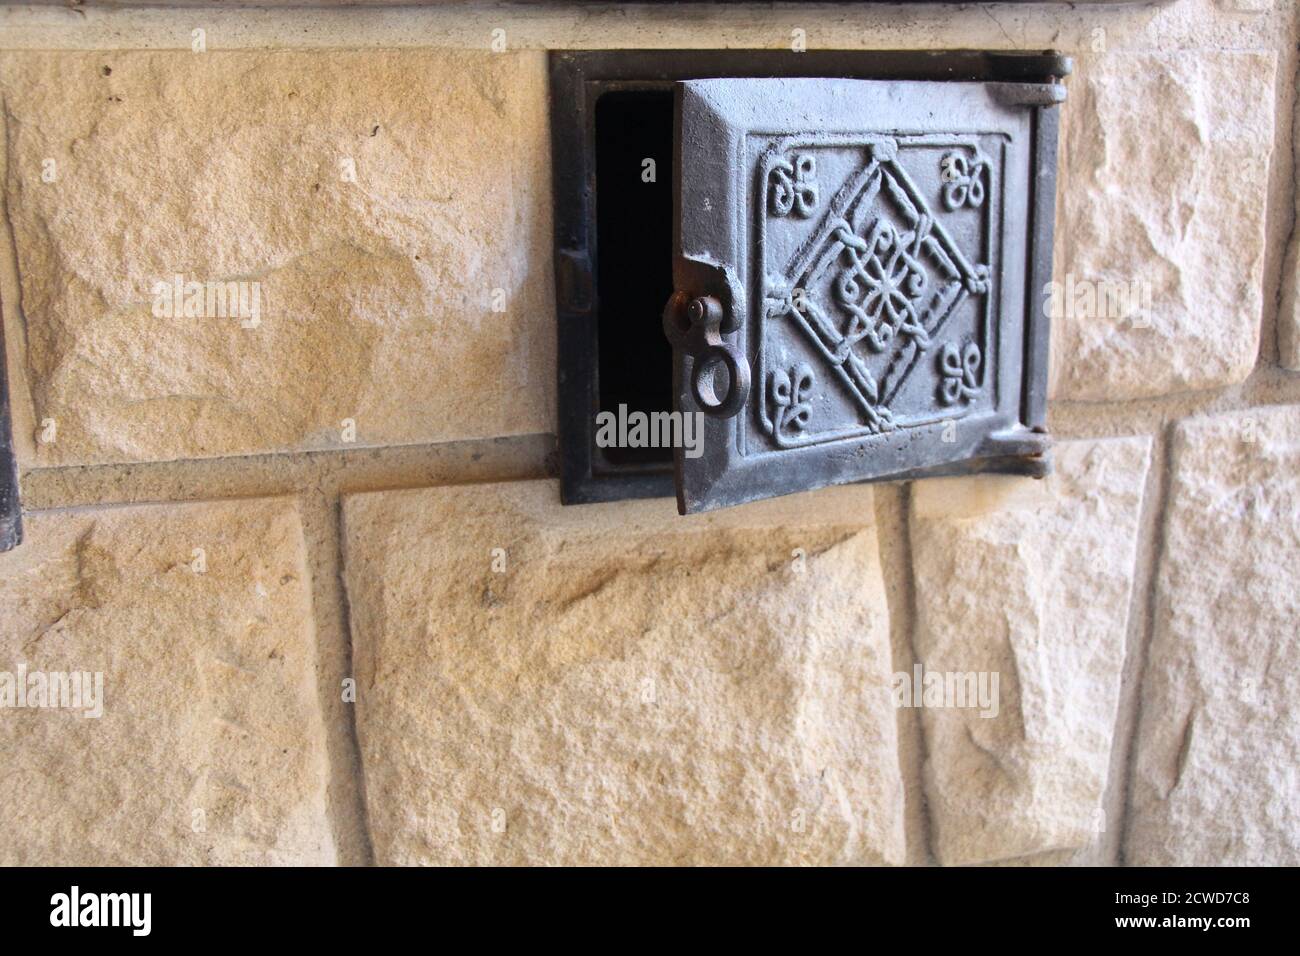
[910, 905]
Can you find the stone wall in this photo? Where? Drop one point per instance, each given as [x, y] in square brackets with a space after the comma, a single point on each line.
[320, 560]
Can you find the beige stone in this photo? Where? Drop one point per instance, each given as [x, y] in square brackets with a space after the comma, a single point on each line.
[210, 747]
[1289, 318]
[1215, 779]
[1032, 581]
[380, 200]
[1164, 189]
[1288, 333]
[632, 688]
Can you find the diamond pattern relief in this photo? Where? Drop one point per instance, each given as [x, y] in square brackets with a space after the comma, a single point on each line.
[871, 287]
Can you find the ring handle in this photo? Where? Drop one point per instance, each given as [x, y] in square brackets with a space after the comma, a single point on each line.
[703, 384]
[694, 325]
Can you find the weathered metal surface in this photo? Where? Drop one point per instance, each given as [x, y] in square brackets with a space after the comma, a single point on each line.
[700, 328]
[1020, 82]
[873, 247]
[11, 521]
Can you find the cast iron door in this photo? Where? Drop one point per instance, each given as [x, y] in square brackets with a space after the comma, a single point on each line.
[854, 272]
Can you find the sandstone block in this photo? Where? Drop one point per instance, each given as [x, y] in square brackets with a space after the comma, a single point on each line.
[371, 224]
[613, 684]
[208, 746]
[1217, 774]
[1289, 317]
[1030, 581]
[1160, 238]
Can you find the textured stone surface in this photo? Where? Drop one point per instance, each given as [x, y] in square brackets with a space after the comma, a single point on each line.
[1289, 318]
[1288, 333]
[1031, 580]
[634, 687]
[1165, 162]
[210, 745]
[376, 295]
[1217, 775]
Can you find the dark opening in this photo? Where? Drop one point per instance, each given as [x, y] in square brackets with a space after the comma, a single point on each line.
[634, 229]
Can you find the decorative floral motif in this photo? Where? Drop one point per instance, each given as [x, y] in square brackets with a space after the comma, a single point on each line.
[960, 371]
[881, 286]
[874, 288]
[963, 183]
[794, 185]
[789, 392]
